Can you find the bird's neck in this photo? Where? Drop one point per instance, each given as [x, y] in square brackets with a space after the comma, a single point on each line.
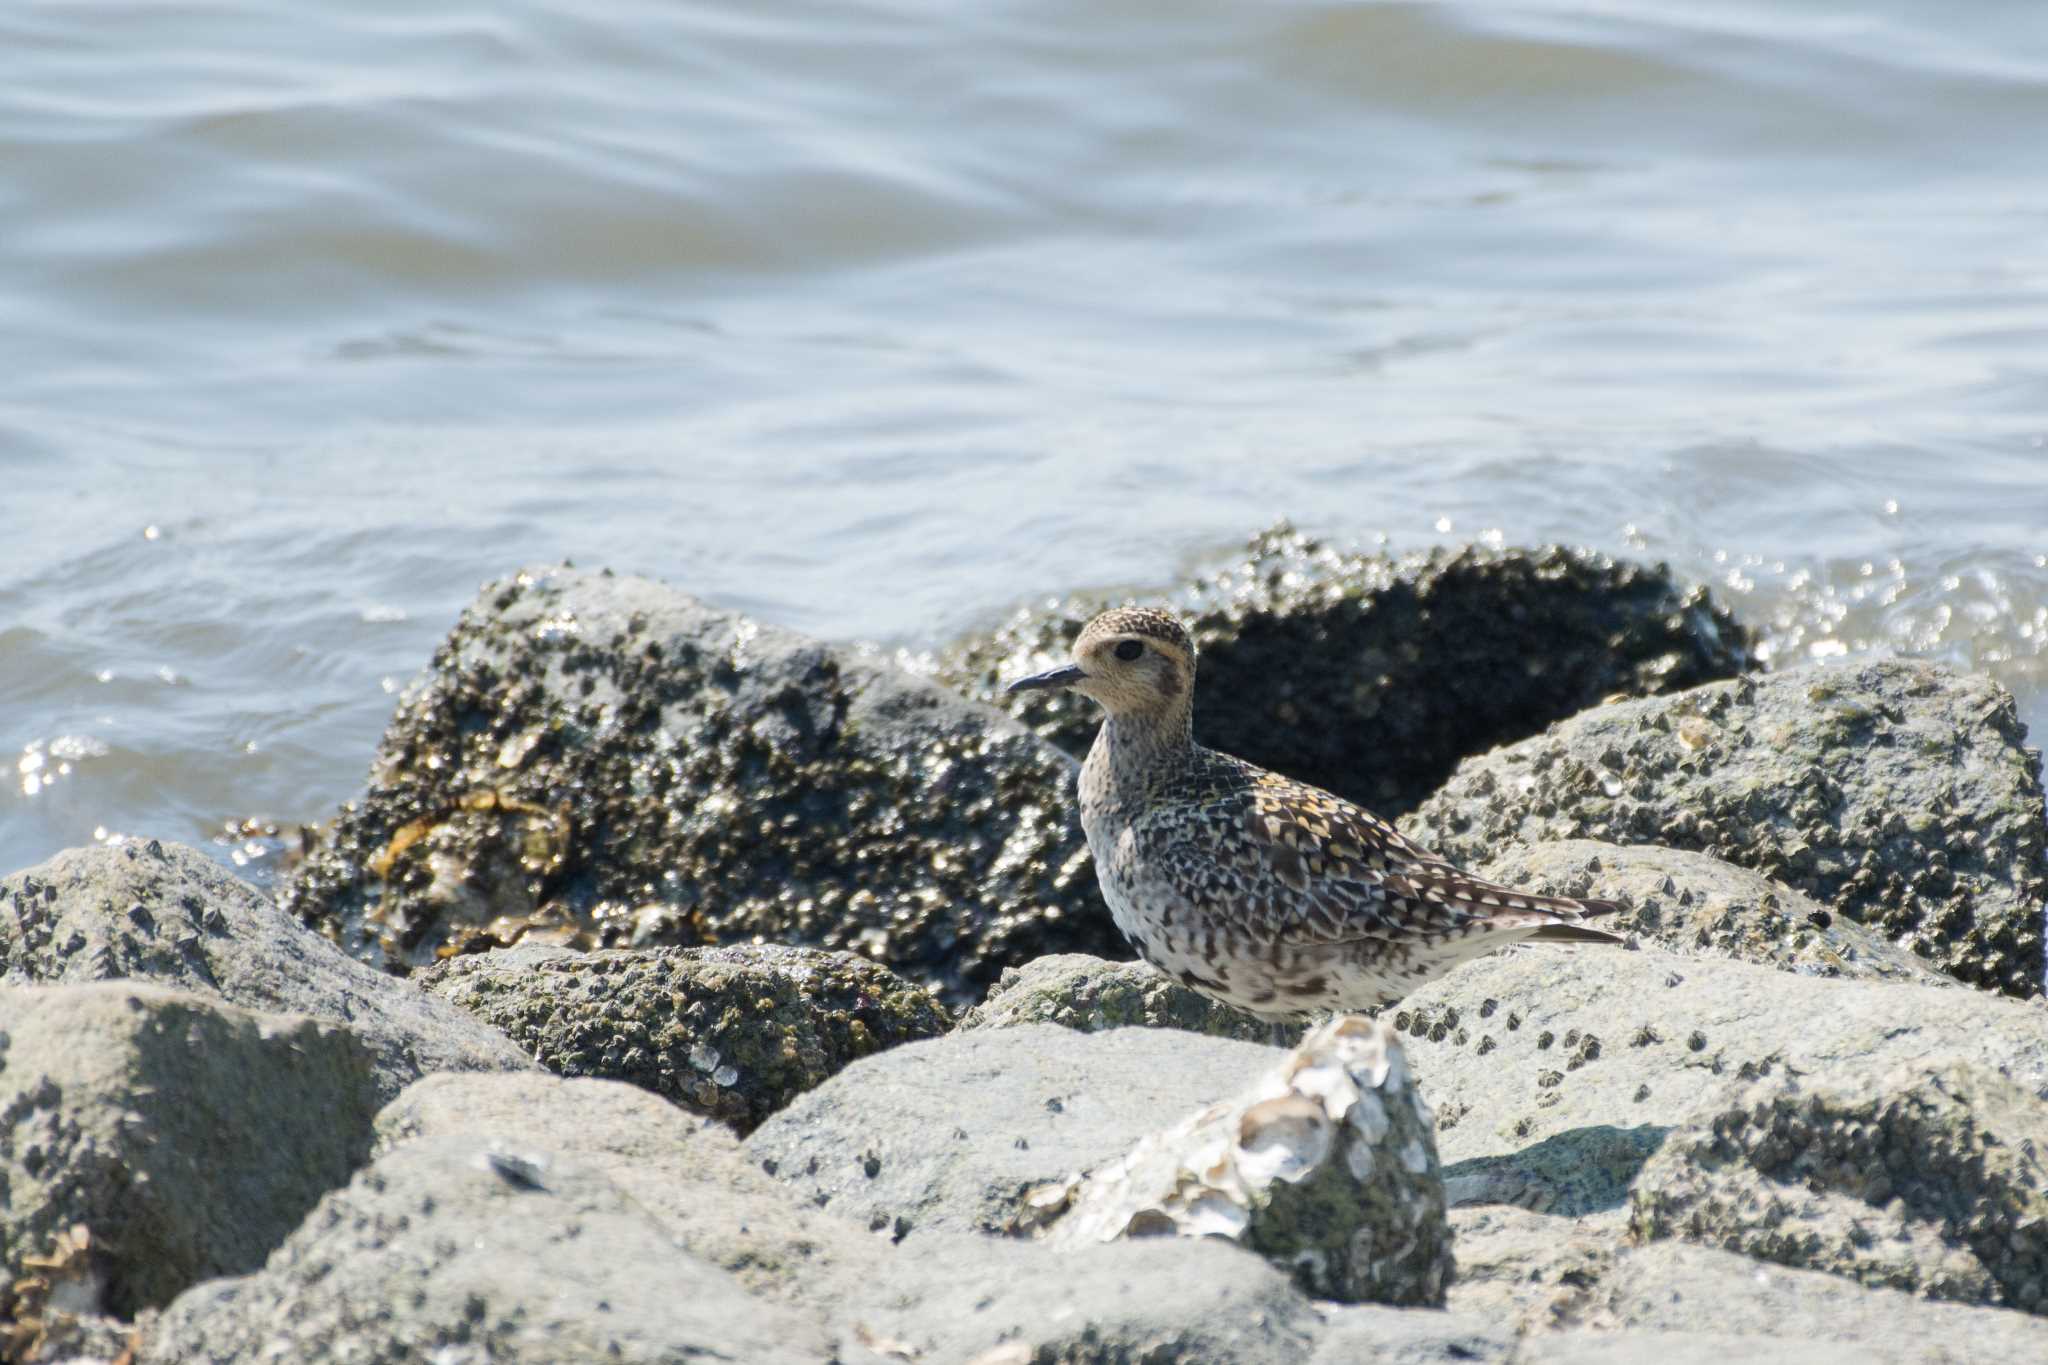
[1142, 745]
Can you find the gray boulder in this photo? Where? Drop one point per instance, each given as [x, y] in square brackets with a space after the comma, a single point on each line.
[685, 1170]
[1089, 994]
[604, 761]
[949, 1134]
[1929, 1179]
[963, 1298]
[1699, 906]
[1324, 1165]
[1372, 675]
[735, 1033]
[1361, 1333]
[163, 1137]
[1896, 793]
[1557, 1072]
[170, 914]
[452, 1250]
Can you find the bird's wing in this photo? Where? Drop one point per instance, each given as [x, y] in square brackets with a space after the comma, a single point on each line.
[1296, 864]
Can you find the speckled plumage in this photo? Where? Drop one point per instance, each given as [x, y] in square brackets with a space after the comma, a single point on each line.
[1266, 893]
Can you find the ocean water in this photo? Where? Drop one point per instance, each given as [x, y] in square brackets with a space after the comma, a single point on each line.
[874, 319]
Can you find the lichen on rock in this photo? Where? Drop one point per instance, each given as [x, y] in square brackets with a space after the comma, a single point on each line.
[1372, 675]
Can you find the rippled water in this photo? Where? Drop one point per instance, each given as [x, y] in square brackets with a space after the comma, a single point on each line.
[873, 319]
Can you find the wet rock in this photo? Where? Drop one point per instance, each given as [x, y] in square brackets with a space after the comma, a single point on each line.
[170, 914]
[961, 1298]
[949, 1134]
[685, 1170]
[448, 1249]
[1896, 793]
[1089, 994]
[151, 1138]
[1371, 675]
[735, 1033]
[1697, 905]
[1565, 1068]
[1928, 1179]
[597, 760]
[1324, 1165]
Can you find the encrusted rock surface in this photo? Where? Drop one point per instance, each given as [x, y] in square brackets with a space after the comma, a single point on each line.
[1897, 793]
[1325, 1166]
[167, 913]
[1696, 905]
[184, 1136]
[1090, 994]
[447, 1249]
[1931, 1180]
[1559, 1071]
[951, 1133]
[605, 760]
[1372, 675]
[735, 1033]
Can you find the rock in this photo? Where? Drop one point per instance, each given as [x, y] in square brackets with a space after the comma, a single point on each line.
[150, 1138]
[599, 760]
[735, 1033]
[1411, 1336]
[686, 1170]
[1089, 994]
[1673, 1287]
[1675, 1348]
[1324, 1166]
[949, 1134]
[1927, 1179]
[1696, 905]
[170, 914]
[1895, 793]
[1530, 1273]
[445, 1249]
[1567, 1060]
[962, 1298]
[1372, 676]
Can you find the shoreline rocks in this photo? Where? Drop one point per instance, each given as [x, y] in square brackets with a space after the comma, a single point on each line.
[1734, 1136]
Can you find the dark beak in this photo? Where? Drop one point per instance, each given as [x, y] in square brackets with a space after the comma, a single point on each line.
[1050, 680]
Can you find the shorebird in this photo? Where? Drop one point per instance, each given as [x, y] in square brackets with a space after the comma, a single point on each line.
[1265, 893]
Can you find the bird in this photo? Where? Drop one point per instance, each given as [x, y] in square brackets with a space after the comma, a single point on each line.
[1265, 893]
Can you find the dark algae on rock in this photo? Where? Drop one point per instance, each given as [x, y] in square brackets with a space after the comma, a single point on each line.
[1372, 675]
[598, 760]
[734, 1033]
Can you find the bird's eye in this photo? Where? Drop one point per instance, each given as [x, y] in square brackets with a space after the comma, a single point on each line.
[1128, 650]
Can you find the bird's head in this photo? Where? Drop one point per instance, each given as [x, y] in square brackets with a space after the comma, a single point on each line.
[1132, 661]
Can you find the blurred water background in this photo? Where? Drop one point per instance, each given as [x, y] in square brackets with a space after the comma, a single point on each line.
[873, 319]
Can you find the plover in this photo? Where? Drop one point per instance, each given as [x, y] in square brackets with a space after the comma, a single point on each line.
[1265, 893]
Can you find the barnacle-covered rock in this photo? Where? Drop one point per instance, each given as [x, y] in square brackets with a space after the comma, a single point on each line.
[1559, 1071]
[1933, 1180]
[1897, 793]
[1326, 1166]
[604, 761]
[1372, 675]
[1697, 905]
[169, 914]
[734, 1033]
[150, 1139]
[1086, 993]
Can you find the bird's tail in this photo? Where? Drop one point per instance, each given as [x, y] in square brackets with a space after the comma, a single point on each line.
[1567, 928]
